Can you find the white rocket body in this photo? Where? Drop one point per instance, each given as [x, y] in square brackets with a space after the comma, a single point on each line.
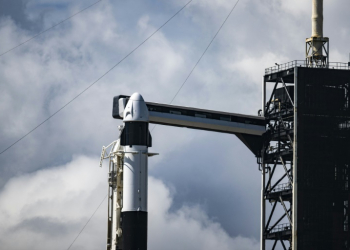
[136, 139]
[135, 179]
[135, 160]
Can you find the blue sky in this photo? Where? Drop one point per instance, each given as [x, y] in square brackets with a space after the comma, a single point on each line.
[202, 185]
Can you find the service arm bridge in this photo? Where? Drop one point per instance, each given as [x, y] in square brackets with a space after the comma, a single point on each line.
[248, 129]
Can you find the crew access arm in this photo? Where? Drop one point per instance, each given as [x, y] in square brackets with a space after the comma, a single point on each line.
[248, 129]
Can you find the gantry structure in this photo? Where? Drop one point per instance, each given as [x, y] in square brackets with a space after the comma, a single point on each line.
[305, 157]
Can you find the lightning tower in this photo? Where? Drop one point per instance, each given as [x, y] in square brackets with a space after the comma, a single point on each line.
[305, 156]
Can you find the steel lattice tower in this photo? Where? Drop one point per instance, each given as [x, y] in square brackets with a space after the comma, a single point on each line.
[306, 157]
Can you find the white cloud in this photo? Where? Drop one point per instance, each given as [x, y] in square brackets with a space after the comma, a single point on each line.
[47, 208]
[43, 75]
[186, 228]
[252, 67]
[297, 7]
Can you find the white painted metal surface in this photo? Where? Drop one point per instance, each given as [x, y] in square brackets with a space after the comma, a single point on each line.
[115, 156]
[117, 194]
[206, 124]
[122, 104]
[176, 116]
[135, 178]
[135, 170]
[317, 28]
[136, 109]
[128, 171]
[317, 18]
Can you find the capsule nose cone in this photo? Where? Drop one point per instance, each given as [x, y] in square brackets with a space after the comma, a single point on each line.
[136, 109]
[136, 97]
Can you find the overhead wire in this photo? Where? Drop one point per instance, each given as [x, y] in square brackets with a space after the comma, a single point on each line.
[87, 223]
[40, 33]
[82, 92]
[200, 58]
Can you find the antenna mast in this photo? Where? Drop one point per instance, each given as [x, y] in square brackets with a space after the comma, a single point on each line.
[317, 46]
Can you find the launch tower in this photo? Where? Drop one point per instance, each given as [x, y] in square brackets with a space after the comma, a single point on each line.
[305, 157]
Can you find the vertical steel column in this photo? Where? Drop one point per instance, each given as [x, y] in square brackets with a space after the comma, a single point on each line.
[295, 161]
[109, 211]
[327, 55]
[263, 204]
[264, 96]
[277, 151]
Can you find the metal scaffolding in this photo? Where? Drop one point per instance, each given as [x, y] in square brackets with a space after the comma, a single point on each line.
[305, 159]
[276, 165]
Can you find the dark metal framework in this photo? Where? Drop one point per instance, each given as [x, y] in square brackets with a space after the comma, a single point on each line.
[276, 163]
[323, 158]
[315, 58]
[305, 160]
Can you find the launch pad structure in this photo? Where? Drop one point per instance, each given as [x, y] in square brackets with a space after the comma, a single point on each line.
[301, 140]
[308, 137]
[303, 130]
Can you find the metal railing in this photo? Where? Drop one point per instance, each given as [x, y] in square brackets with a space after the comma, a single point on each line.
[280, 228]
[303, 63]
[282, 187]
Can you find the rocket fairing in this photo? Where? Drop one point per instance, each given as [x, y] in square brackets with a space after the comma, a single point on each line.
[136, 139]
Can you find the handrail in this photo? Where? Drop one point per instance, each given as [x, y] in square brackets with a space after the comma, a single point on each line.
[282, 187]
[304, 64]
[280, 228]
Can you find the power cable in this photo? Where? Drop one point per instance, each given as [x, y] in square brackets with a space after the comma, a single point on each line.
[87, 223]
[93, 82]
[200, 58]
[204, 53]
[50, 28]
